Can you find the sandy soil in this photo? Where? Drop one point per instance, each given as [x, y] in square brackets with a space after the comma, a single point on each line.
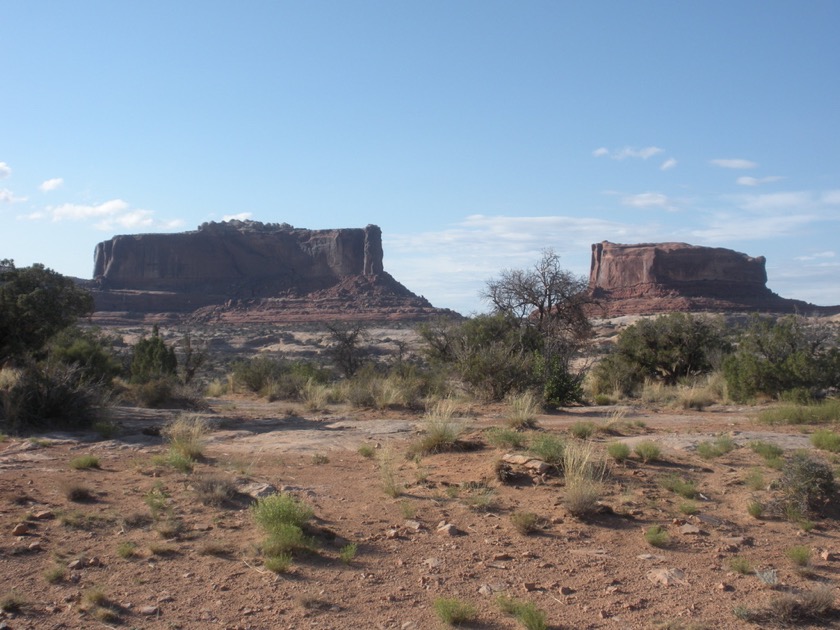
[593, 573]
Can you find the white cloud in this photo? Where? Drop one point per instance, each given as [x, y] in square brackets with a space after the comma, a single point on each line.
[792, 200]
[727, 227]
[78, 212]
[757, 181]
[627, 152]
[7, 196]
[648, 200]
[668, 164]
[831, 197]
[5, 170]
[737, 163]
[817, 256]
[242, 216]
[51, 184]
[109, 215]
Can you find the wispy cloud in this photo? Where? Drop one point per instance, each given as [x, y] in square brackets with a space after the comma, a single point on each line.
[627, 152]
[242, 216]
[757, 181]
[649, 200]
[5, 170]
[817, 256]
[736, 163]
[7, 196]
[727, 228]
[109, 215]
[668, 164]
[51, 184]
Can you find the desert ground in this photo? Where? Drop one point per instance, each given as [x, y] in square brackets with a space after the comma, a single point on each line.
[136, 543]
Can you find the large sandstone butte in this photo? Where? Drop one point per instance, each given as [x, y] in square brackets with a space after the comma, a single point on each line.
[651, 278]
[251, 271]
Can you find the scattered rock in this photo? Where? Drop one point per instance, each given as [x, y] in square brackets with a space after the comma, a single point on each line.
[43, 515]
[667, 577]
[448, 529]
[567, 590]
[414, 525]
[149, 610]
[826, 555]
[257, 490]
[432, 563]
[689, 529]
[77, 564]
[21, 529]
[724, 588]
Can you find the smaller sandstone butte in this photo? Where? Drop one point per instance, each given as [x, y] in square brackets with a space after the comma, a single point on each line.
[251, 271]
[661, 277]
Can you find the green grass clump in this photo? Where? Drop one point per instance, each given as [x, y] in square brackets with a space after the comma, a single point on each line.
[453, 612]
[523, 411]
[367, 451]
[279, 563]
[127, 550]
[348, 552]
[584, 470]
[12, 602]
[583, 430]
[531, 617]
[55, 573]
[657, 536]
[619, 451]
[319, 459]
[800, 555]
[741, 565]
[826, 440]
[755, 480]
[187, 436]
[821, 413]
[272, 512]
[505, 438]
[526, 522]
[214, 490]
[683, 487]
[441, 430]
[549, 448]
[84, 462]
[715, 448]
[755, 509]
[689, 507]
[767, 450]
[648, 451]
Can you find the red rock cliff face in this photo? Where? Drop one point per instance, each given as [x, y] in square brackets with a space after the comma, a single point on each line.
[238, 259]
[662, 277]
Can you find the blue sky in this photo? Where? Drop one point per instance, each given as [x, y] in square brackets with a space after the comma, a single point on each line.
[475, 132]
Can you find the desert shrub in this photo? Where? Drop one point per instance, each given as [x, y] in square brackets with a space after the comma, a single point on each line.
[584, 470]
[454, 612]
[648, 451]
[367, 451]
[560, 385]
[666, 348]
[187, 435]
[783, 355]
[767, 450]
[83, 462]
[281, 562]
[526, 522]
[280, 509]
[582, 430]
[505, 438]
[619, 451]
[755, 509]
[549, 448]
[152, 359]
[531, 617]
[826, 440]
[680, 486]
[523, 412]
[715, 448]
[807, 486]
[657, 536]
[348, 552]
[824, 412]
[390, 484]
[41, 395]
[89, 350]
[688, 508]
[214, 490]
[799, 555]
[441, 430]
[741, 565]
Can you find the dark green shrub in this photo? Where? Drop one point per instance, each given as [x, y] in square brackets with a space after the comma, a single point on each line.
[89, 350]
[807, 485]
[668, 348]
[782, 358]
[152, 359]
[44, 396]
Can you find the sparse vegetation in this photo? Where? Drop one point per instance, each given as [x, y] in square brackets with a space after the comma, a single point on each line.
[526, 522]
[619, 451]
[648, 451]
[12, 602]
[367, 451]
[715, 448]
[583, 430]
[826, 440]
[584, 470]
[816, 605]
[531, 617]
[680, 486]
[523, 410]
[657, 536]
[800, 556]
[454, 612]
[214, 490]
[186, 436]
[741, 565]
[549, 448]
[755, 509]
[348, 552]
[84, 462]
[441, 431]
[505, 438]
